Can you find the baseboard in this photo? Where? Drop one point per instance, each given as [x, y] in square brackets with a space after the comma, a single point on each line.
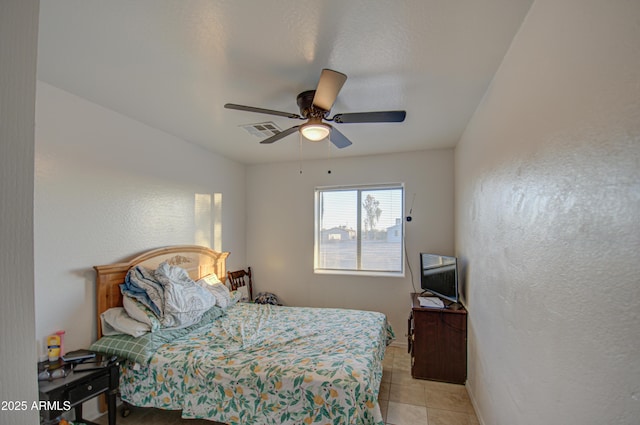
[474, 403]
[399, 344]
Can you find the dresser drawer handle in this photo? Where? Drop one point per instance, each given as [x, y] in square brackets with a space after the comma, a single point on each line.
[89, 387]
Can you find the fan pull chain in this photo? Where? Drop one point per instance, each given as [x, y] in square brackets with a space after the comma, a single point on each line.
[300, 153]
[328, 156]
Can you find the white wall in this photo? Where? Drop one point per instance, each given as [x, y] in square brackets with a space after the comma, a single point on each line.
[18, 47]
[548, 221]
[280, 220]
[107, 188]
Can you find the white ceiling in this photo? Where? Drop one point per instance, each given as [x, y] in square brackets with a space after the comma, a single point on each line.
[173, 64]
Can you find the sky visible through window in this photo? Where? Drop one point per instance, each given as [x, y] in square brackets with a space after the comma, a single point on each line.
[340, 208]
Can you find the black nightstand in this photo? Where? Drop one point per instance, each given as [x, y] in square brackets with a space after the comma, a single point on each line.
[76, 388]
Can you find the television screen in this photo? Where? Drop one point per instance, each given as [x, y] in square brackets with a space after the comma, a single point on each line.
[439, 275]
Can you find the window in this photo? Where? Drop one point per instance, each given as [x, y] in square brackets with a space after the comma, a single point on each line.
[359, 230]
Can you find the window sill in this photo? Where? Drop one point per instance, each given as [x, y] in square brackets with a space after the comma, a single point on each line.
[369, 273]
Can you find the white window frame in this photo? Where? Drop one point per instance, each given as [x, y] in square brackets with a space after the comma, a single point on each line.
[318, 237]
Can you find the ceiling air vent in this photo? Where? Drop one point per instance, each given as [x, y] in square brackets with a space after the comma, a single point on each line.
[262, 129]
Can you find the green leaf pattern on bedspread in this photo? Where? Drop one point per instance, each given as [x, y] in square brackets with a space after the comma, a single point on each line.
[264, 364]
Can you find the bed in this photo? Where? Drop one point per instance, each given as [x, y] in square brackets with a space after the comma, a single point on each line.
[252, 363]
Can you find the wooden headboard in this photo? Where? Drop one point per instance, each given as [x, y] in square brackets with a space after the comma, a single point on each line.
[199, 261]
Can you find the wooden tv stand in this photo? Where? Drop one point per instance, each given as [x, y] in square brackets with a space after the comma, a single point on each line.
[438, 343]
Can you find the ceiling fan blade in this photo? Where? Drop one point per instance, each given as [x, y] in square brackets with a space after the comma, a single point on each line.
[261, 110]
[280, 135]
[339, 139]
[328, 88]
[381, 116]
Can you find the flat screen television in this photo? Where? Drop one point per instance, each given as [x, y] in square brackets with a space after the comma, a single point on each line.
[439, 275]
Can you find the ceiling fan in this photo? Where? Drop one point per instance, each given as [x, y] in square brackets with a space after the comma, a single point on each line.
[314, 108]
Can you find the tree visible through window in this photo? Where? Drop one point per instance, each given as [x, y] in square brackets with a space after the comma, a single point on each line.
[359, 229]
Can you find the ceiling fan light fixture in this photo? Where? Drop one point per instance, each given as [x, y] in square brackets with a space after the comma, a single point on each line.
[315, 106]
[315, 131]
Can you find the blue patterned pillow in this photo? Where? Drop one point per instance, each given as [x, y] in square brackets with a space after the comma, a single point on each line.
[267, 298]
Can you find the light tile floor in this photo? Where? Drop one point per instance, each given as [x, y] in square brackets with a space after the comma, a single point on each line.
[407, 401]
[403, 401]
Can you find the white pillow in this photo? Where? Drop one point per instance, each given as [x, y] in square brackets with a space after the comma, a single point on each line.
[210, 279]
[138, 311]
[116, 321]
[243, 292]
[218, 289]
[236, 297]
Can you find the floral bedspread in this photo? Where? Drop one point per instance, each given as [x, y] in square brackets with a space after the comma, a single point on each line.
[265, 364]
